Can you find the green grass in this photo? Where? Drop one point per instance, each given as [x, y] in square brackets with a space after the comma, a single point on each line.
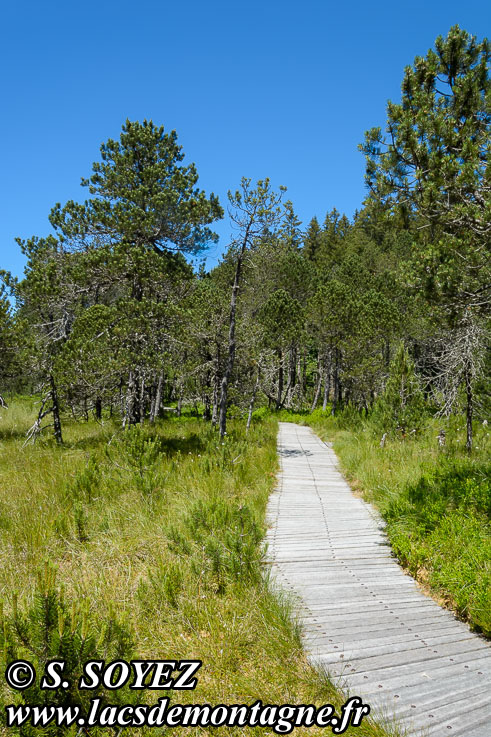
[162, 526]
[436, 502]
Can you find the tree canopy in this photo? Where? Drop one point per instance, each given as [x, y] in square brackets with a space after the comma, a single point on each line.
[142, 195]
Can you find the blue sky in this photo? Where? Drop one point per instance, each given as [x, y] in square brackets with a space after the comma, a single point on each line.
[279, 89]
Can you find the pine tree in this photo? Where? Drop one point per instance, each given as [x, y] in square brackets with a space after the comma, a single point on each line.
[142, 195]
[312, 240]
[433, 167]
[401, 406]
[289, 232]
[116, 263]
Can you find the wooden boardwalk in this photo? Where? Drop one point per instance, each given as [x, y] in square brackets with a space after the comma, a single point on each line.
[364, 619]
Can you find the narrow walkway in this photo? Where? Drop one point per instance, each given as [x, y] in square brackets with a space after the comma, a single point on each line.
[364, 619]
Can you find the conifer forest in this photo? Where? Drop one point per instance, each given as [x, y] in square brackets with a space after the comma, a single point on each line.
[140, 395]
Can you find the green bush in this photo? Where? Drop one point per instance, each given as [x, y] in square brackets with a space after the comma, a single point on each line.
[140, 452]
[320, 414]
[52, 629]
[222, 538]
[457, 486]
[260, 414]
[440, 524]
[85, 485]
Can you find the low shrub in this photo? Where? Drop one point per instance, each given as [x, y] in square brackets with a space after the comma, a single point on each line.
[53, 629]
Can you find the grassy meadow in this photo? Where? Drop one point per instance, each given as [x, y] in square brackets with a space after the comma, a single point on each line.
[154, 543]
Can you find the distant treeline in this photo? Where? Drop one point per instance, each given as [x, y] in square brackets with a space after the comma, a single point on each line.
[110, 316]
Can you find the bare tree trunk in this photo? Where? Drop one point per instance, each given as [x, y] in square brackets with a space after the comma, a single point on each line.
[207, 409]
[141, 398]
[317, 389]
[292, 375]
[206, 397]
[151, 412]
[153, 391]
[327, 384]
[72, 409]
[335, 383]
[154, 411]
[300, 379]
[304, 373]
[469, 409]
[179, 405]
[132, 410]
[347, 394]
[214, 411]
[127, 401]
[340, 392]
[251, 403]
[287, 394]
[231, 338]
[283, 400]
[121, 400]
[56, 411]
[463, 361]
[98, 408]
[327, 391]
[279, 393]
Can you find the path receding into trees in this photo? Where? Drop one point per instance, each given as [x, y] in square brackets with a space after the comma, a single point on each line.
[364, 619]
